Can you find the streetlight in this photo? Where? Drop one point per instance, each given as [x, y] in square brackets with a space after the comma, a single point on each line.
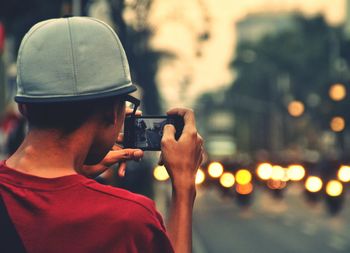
[264, 171]
[160, 173]
[313, 184]
[243, 177]
[337, 124]
[334, 188]
[244, 189]
[296, 172]
[344, 173]
[278, 173]
[337, 92]
[227, 180]
[296, 108]
[200, 176]
[215, 169]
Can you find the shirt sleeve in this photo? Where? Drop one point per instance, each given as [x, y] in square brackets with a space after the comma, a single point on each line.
[160, 242]
[151, 235]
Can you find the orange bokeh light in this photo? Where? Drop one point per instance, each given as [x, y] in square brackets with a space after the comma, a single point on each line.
[244, 189]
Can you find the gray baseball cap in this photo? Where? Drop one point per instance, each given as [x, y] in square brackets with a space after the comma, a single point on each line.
[71, 59]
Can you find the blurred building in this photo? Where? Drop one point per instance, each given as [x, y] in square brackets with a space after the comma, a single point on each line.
[261, 125]
[347, 19]
[256, 26]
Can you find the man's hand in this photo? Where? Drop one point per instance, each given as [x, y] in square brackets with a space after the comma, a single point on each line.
[116, 155]
[182, 158]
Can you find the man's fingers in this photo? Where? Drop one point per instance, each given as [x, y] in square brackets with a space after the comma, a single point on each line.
[129, 111]
[118, 155]
[168, 133]
[120, 138]
[188, 116]
[122, 169]
[129, 154]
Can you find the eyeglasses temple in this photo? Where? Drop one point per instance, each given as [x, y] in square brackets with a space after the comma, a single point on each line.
[135, 101]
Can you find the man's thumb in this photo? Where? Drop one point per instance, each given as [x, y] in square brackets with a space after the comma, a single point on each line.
[169, 132]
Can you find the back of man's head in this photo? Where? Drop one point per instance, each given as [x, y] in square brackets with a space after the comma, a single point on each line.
[69, 116]
[68, 68]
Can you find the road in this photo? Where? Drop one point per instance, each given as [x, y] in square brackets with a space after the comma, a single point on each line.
[288, 225]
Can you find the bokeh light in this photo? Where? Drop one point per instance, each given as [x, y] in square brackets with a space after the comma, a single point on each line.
[264, 171]
[243, 176]
[313, 184]
[160, 173]
[334, 188]
[344, 173]
[337, 124]
[337, 92]
[215, 169]
[296, 172]
[276, 184]
[296, 108]
[227, 179]
[244, 189]
[278, 173]
[200, 176]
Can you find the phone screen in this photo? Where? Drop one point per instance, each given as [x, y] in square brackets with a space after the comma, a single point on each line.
[146, 132]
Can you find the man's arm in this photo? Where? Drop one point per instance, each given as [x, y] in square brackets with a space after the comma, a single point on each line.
[182, 159]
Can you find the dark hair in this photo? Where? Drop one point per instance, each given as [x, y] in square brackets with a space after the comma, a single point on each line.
[67, 116]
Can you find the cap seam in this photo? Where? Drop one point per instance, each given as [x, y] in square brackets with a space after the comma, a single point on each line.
[73, 58]
[52, 99]
[22, 48]
[112, 32]
[129, 84]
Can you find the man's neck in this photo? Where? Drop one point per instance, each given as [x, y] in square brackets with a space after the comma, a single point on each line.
[50, 154]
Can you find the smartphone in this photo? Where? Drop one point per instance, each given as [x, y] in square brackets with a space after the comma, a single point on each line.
[146, 132]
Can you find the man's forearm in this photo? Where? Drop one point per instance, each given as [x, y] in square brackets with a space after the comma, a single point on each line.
[182, 158]
[180, 219]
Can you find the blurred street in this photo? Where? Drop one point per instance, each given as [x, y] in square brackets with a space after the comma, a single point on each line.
[268, 225]
[269, 84]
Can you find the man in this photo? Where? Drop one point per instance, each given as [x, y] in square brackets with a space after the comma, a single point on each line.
[73, 81]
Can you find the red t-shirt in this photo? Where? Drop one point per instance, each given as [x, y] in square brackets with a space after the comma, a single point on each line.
[75, 214]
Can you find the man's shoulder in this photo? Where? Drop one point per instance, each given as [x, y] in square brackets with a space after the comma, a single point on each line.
[134, 215]
[115, 197]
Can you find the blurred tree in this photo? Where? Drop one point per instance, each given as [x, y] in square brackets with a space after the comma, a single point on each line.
[143, 60]
[295, 62]
[299, 63]
[18, 16]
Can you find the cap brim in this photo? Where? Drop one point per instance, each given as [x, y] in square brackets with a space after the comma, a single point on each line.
[76, 98]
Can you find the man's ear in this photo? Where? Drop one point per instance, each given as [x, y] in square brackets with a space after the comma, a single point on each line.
[109, 116]
[23, 109]
[119, 113]
[115, 117]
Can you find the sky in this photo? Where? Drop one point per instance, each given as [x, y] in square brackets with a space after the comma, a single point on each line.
[200, 66]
